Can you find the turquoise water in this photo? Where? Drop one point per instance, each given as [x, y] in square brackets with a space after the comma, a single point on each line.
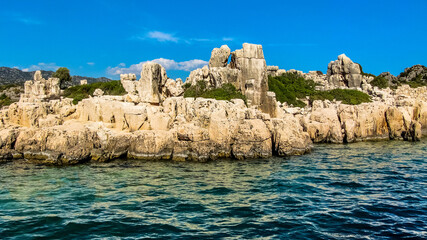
[356, 191]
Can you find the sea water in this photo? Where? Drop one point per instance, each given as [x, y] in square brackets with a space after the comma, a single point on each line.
[372, 190]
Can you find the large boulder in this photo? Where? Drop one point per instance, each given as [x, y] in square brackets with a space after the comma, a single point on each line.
[344, 73]
[219, 57]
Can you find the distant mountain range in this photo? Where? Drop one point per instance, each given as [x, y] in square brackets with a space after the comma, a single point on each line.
[16, 76]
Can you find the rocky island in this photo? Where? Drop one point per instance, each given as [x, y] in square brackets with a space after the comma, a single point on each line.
[155, 121]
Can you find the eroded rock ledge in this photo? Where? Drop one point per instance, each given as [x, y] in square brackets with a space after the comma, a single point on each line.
[153, 121]
[104, 128]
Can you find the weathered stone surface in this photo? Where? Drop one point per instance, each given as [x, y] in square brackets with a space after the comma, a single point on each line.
[153, 79]
[390, 77]
[323, 125]
[40, 89]
[253, 68]
[414, 72]
[252, 140]
[98, 92]
[343, 72]
[219, 57]
[289, 137]
[247, 71]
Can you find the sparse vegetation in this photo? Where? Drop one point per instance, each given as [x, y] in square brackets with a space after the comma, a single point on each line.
[7, 86]
[346, 96]
[290, 87]
[380, 82]
[77, 93]
[5, 100]
[200, 89]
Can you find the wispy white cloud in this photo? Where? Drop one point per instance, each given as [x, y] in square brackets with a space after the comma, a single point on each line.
[28, 21]
[41, 66]
[168, 64]
[90, 63]
[170, 37]
[162, 36]
[227, 39]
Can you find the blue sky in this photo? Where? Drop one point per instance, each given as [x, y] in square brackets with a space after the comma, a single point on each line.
[105, 38]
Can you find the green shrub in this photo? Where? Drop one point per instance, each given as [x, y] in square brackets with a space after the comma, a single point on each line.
[63, 74]
[7, 86]
[77, 93]
[346, 96]
[5, 100]
[380, 82]
[291, 86]
[226, 92]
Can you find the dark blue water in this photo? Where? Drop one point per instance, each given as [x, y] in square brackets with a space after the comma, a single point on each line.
[356, 191]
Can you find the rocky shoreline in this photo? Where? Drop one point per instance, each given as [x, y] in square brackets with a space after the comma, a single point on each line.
[154, 120]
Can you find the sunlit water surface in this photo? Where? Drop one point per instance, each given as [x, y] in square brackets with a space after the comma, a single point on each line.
[356, 191]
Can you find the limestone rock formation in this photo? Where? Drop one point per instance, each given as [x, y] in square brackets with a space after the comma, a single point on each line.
[247, 71]
[390, 77]
[414, 72]
[344, 72]
[153, 86]
[152, 82]
[39, 88]
[153, 121]
[98, 92]
[180, 128]
[219, 57]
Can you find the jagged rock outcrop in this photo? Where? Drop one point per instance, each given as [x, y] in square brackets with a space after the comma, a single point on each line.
[153, 86]
[39, 88]
[414, 73]
[274, 71]
[17, 76]
[247, 71]
[152, 82]
[390, 77]
[219, 57]
[107, 127]
[150, 123]
[344, 72]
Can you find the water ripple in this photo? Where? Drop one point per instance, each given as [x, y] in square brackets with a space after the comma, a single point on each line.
[357, 191]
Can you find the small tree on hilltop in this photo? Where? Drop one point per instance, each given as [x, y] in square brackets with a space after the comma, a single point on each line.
[63, 74]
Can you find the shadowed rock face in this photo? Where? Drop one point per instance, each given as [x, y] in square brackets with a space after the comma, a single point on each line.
[344, 72]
